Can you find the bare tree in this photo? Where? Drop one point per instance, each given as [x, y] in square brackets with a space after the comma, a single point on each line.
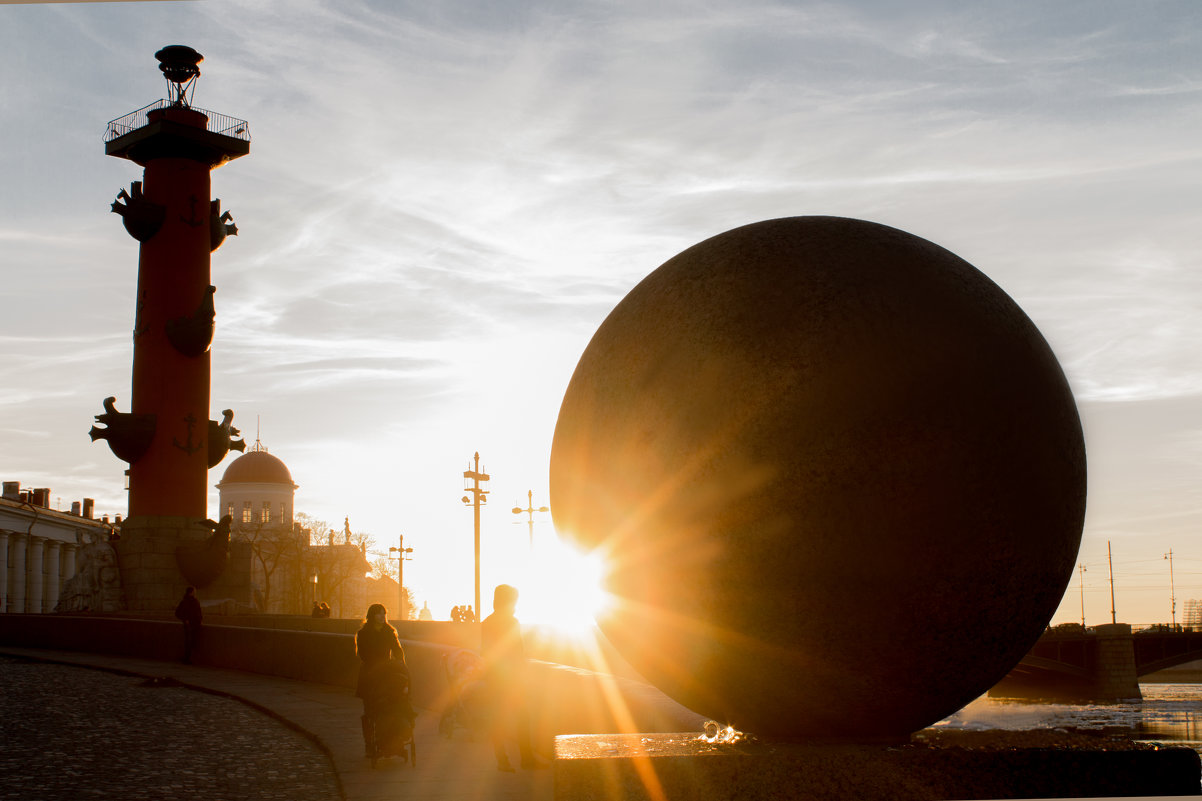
[276, 550]
[410, 604]
[335, 557]
[326, 559]
[381, 566]
[318, 530]
[383, 570]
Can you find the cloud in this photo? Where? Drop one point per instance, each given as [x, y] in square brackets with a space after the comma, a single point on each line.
[443, 201]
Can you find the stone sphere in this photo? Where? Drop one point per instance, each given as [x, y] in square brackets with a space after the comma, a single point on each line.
[836, 472]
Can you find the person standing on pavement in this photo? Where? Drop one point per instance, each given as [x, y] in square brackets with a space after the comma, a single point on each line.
[381, 667]
[505, 680]
[188, 611]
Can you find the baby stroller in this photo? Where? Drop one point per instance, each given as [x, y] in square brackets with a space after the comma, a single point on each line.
[389, 716]
[463, 670]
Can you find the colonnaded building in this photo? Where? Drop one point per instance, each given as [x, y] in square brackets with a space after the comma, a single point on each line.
[39, 547]
[51, 560]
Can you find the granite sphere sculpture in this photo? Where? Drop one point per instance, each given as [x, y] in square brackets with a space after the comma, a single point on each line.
[837, 473]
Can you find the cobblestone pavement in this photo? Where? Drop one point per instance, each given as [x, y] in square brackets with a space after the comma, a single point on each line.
[76, 733]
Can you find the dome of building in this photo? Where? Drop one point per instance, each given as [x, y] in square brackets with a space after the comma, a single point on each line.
[256, 466]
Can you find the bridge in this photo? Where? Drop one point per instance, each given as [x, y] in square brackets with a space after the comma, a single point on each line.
[1100, 663]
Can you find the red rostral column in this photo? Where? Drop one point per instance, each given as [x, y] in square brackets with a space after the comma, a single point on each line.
[167, 438]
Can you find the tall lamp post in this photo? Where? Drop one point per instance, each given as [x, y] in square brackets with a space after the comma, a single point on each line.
[1110, 563]
[1172, 589]
[530, 510]
[1081, 567]
[479, 497]
[400, 552]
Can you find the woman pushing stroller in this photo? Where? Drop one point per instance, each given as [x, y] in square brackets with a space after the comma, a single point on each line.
[383, 685]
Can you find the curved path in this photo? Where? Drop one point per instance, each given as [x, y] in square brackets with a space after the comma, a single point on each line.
[70, 733]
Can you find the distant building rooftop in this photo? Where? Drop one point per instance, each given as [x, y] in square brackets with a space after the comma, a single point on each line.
[256, 466]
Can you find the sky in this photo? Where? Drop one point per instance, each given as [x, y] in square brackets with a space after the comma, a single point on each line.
[443, 201]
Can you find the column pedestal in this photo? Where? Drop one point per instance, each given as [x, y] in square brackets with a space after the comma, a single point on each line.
[151, 575]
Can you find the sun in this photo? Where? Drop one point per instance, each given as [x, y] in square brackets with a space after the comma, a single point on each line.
[563, 587]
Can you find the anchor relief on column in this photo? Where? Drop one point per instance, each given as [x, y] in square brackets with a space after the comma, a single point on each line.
[188, 446]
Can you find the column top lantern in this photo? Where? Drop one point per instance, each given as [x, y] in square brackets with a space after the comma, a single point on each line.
[173, 127]
[180, 65]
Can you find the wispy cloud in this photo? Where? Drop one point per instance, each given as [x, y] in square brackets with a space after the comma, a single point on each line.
[443, 201]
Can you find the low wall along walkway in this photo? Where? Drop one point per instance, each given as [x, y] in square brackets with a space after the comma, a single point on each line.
[564, 699]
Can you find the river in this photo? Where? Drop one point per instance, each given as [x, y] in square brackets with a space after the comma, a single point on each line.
[1169, 713]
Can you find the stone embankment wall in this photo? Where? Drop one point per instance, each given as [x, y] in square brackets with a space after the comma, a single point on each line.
[564, 699]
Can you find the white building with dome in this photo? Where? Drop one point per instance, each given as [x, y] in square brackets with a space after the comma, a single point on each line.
[257, 488]
[289, 571]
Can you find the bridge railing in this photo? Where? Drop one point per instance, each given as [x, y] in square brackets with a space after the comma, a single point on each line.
[1163, 627]
[1076, 629]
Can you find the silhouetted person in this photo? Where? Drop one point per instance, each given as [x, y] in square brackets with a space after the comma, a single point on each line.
[456, 614]
[469, 614]
[381, 668]
[325, 609]
[188, 610]
[505, 680]
[316, 610]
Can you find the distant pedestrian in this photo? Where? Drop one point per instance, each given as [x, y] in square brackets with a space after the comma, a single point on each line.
[316, 610]
[469, 615]
[505, 679]
[456, 614]
[188, 610]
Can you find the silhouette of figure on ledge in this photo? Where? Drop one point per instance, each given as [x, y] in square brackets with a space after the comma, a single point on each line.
[188, 611]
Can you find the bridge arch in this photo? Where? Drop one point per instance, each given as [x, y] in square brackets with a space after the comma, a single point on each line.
[1162, 647]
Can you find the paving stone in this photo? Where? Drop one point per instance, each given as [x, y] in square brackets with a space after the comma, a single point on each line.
[76, 733]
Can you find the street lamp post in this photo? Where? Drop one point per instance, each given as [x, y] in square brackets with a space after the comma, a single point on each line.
[400, 551]
[1172, 589]
[530, 510]
[1082, 569]
[1110, 563]
[479, 497]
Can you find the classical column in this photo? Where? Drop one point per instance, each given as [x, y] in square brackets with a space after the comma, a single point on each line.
[68, 560]
[35, 580]
[54, 579]
[3, 571]
[16, 595]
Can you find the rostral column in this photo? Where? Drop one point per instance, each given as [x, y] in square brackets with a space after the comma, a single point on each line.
[167, 437]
